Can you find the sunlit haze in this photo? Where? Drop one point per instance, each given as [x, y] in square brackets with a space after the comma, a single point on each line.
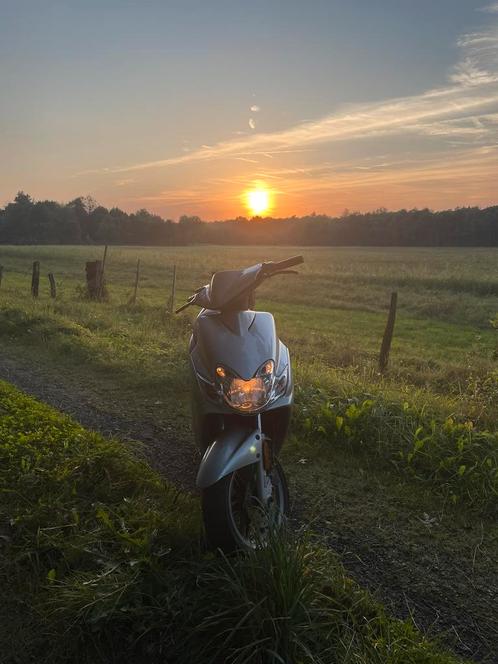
[179, 107]
[258, 201]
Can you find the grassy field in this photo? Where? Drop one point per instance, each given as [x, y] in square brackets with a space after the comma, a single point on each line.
[332, 316]
[401, 468]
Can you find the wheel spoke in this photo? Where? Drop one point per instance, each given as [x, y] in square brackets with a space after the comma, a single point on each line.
[250, 520]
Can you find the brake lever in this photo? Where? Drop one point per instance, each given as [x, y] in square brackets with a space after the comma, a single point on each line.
[187, 304]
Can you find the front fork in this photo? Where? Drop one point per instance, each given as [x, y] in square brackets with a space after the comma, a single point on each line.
[263, 469]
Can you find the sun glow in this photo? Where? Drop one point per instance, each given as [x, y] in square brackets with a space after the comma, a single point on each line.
[258, 201]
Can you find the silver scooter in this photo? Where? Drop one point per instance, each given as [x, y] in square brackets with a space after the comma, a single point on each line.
[242, 394]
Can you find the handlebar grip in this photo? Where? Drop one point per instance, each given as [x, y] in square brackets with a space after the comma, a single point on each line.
[288, 262]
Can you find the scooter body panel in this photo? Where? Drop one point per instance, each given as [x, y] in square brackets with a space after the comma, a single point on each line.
[240, 340]
[233, 449]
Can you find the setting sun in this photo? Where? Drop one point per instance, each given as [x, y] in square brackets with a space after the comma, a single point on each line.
[258, 201]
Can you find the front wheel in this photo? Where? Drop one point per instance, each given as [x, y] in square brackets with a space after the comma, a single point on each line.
[234, 517]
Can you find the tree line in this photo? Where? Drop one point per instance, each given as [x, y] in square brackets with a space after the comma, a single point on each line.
[83, 221]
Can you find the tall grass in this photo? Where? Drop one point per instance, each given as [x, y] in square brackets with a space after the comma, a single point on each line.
[291, 602]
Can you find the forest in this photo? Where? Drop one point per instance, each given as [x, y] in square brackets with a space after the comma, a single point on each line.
[84, 221]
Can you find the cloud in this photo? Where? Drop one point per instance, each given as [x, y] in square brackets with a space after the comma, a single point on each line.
[468, 168]
[465, 177]
[468, 74]
[457, 109]
[173, 196]
[459, 102]
[255, 108]
[491, 9]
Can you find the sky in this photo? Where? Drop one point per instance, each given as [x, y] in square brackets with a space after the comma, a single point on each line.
[184, 107]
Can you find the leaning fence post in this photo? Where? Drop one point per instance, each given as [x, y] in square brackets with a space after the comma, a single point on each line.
[1, 275]
[137, 277]
[53, 290]
[388, 334]
[173, 292]
[35, 279]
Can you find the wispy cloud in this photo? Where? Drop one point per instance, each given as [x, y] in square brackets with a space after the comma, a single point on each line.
[457, 103]
[460, 118]
[472, 92]
[466, 176]
[481, 162]
[491, 9]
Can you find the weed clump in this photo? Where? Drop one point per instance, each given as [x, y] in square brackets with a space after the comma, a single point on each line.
[291, 601]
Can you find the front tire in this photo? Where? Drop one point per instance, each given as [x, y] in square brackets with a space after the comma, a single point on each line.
[233, 519]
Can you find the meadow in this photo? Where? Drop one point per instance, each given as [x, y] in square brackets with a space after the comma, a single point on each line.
[396, 471]
[331, 316]
[335, 308]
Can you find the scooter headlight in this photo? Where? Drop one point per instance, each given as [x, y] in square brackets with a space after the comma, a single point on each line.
[251, 395]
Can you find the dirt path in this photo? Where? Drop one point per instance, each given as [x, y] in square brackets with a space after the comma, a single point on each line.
[451, 594]
[410, 577]
[176, 461]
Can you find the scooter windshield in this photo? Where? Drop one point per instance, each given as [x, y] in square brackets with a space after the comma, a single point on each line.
[229, 285]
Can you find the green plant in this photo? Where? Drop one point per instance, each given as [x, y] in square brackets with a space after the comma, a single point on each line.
[454, 457]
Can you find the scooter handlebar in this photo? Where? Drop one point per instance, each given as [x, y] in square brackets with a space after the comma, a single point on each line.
[268, 270]
[184, 306]
[288, 262]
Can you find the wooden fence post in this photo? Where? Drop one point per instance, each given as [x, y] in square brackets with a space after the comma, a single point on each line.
[35, 279]
[53, 289]
[137, 277]
[102, 271]
[1, 275]
[388, 334]
[173, 292]
[94, 279]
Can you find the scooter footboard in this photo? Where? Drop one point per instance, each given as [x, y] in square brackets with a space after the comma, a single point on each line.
[233, 449]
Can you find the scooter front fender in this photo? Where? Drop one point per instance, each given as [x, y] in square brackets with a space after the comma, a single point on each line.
[233, 449]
